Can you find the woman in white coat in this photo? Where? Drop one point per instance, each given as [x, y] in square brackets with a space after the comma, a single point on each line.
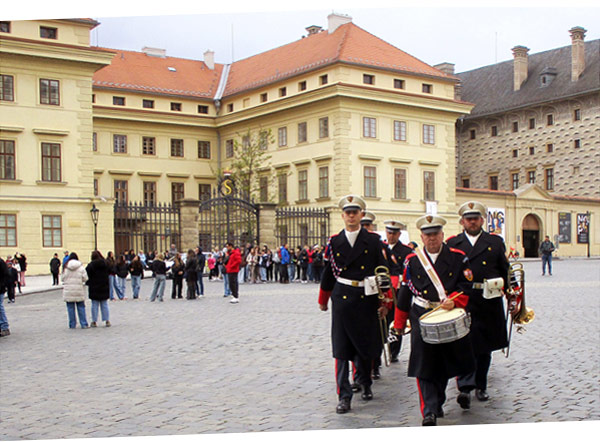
[74, 290]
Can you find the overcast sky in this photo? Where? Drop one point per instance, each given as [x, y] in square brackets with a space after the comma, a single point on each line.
[469, 35]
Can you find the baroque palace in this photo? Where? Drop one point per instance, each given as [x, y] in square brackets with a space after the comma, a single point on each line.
[83, 127]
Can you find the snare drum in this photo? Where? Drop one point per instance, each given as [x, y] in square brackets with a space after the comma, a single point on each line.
[445, 326]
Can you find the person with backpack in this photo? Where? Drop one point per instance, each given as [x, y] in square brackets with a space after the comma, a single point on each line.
[284, 256]
[546, 249]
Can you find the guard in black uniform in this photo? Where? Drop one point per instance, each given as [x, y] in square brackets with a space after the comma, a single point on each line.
[351, 256]
[434, 364]
[487, 257]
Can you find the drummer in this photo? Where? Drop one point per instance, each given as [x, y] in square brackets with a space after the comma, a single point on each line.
[432, 276]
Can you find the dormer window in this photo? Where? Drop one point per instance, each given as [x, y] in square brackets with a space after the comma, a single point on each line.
[46, 32]
[547, 76]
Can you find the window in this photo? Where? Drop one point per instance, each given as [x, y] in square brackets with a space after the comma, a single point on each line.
[176, 147]
[400, 130]
[466, 183]
[263, 140]
[494, 131]
[369, 127]
[148, 146]
[515, 180]
[302, 185]
[119, 101]
[96, 188]
[532, 123]
[302, 86]
[8, 230]
[7, 160]
[51, 170]
[202, 109]
[46, 32]
[493, 182]
[550, 119]
[204, 192]
[549, 147]
[204, 149]
[263, 186]
[263, 97]
[176, 107]
[428, 134]
[370, 178]
[120, 143]
[245, 142]
[398, 84]
[177, 192]
[427, 88]
[120, 192]
[368, 79]
[149, 193]
[148, 104]
[429, 185]
[515, 126]
[531, 150]
[577, 143]
[230, 107]
[515, 153]
[94, 142]
[282, 91]
[4, 26]
[52, 230]
[577, 115]
[400, 184]
[49, 92]
[324, 127]
[323, 79]
[282, 188]
[93, 98]
[323, 182]
[549, 173]
[302, 132]
[7, 88]
[229, 148]
[282, 136]
[472, 134]
[246, 103]
[531, 176]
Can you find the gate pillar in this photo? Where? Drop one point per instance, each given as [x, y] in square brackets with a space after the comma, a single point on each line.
[188, 219]
[266, 221]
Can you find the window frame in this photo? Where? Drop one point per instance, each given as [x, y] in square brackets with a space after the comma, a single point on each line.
[369, 79]
[549, 178]
[282, 91]
[229, 148]
[577, 114]
[51, 33]
[302, 130]
[494, 131]
[119, 101]
[177, 148]
[119, 144]
[324, 182]
[532, 123]
[493, 182]
[400, 183]
[149, 193]
[203, 109]
[263, 188]
[47, 98]
[302, 86]
[399, 83]
[94, 141]
[303, 185]
[282, 188]
[531, 176]
[370, 181]
[6, 228]
[4, 86]
[369, 127]
[177, 188]
[204, 195]
[203, 150]
[176, 106]
[323, 127]
[427, 88]
[550, 120]
[282, 136]
[148, 104]
[5, 26]
[55, 168]
[514, 180]
[429, 185]
[323, 79]
[515, 126]
[399, 130]
[148, 145]
[53, 230]
[429, 134]
[8, 160]
[121, 192]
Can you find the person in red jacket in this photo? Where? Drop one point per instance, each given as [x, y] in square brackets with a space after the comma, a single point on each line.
[232, 267]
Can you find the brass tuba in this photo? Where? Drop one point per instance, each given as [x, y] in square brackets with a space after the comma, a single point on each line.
[384, 283]
[518, 312]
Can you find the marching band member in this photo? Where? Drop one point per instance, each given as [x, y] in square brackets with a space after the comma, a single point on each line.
[431, 276]
[351, 256]
[487, 257]
[367, 221]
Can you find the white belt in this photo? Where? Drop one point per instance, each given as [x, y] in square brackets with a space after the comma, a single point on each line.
[351, 282]
[424, 302]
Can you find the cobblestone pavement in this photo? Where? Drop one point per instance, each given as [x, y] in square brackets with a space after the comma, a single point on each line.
[206, 366]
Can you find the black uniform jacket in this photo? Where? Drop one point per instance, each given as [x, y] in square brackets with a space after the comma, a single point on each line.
[487, 260]
[354, 325]
[435, 361]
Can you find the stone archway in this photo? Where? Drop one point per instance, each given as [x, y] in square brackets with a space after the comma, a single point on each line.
[531, 228]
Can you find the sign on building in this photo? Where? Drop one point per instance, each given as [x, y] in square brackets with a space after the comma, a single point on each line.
[564, 227]
[496, 222]
[583, 228]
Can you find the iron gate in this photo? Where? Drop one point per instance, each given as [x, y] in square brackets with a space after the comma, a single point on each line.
[300, 227]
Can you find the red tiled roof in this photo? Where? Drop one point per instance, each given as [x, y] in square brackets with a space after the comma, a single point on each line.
[348, 43]
[137, 71]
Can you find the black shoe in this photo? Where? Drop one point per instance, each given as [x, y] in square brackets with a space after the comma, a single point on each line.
[367, 394]
[464, 400]
[440, 413]
[376, 373]
[356, 387]
[343, 406]
[394, 359]
[481, 395]
[430, 420]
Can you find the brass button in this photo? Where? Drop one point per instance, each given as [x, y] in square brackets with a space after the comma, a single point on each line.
[450, 274]
[362, 267]
[418, 276]
[345, 268]
[484, 263]
[366, 251]
[490, 249]
[425, 291]
[362, 296]
[337, 254]
[344, 297]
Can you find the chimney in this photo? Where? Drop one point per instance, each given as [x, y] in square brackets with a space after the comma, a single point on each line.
[519, 66]
[446, 68]
[154, 52]
[209, 59]
[336, 20]
[577, 52]
[313, 29]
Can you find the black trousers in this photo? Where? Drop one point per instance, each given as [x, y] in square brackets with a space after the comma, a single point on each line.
[54, 278]
[432, 395]
[283, 273]
[233, 284]
[478, 378]
[10, 291]
[177, 288]
[342, 368]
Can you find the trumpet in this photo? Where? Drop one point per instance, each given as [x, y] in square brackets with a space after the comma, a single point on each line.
[519, 313]
[384, 283]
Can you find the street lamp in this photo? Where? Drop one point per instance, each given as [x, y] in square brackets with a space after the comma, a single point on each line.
[94, 212]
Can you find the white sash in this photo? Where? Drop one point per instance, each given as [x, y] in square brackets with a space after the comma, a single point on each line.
[435, 279]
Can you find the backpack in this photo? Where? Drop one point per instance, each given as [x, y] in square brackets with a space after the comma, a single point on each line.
[277, 257]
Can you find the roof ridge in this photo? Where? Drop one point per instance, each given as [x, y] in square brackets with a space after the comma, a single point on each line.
[158, 58]
[343, 39]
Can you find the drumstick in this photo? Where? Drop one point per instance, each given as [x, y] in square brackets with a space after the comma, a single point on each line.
[440, 306]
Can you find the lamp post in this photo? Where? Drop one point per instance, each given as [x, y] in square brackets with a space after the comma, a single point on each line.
[94, 212]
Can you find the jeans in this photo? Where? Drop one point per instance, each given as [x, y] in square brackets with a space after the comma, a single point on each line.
[546, 259]
[309, 271]
[263, 274]
[226, 285]
[200, 284]
[80, 312]
[158, 290]
[135, 285]
[3, 319]
[291, 271]
[121, 287]
[103, 308]
[111, 285]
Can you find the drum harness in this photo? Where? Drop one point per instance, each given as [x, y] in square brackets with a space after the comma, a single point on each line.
[435, 279]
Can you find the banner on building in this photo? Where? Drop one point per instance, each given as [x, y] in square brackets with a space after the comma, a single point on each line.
[564, 227]
[496, 221]
[431, 207]
[583, 228]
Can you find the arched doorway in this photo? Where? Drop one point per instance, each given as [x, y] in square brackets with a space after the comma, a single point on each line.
[531, 236]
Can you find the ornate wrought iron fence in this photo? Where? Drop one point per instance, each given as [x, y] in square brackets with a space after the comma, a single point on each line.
[299, 227]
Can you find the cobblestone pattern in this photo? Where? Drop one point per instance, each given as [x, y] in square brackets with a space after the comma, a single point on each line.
[205, 366]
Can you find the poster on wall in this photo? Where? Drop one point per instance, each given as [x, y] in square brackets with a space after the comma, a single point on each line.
[564, 227]
[583, 228]
[495, 222]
